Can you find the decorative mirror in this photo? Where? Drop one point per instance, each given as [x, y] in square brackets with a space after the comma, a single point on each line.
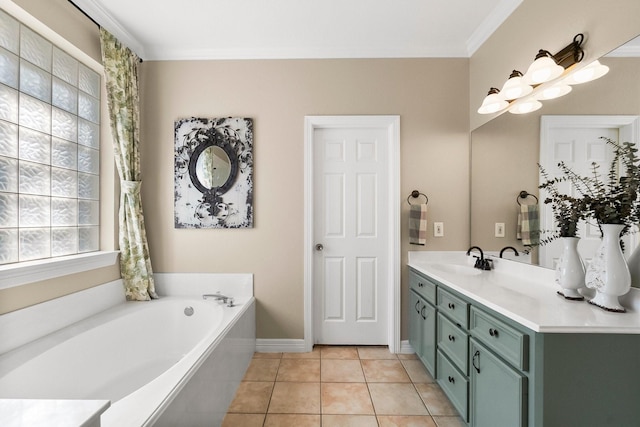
[213, 173]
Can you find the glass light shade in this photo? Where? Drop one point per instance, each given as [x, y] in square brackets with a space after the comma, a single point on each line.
[525, 107]
[493, 102]
[554, 91]
[542, 70]
[593, 71]
[515, 88]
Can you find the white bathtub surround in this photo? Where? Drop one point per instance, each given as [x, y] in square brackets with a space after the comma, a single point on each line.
[239, 286]
[51, 413]
[526, 294]
[212, 348]
[32, 323]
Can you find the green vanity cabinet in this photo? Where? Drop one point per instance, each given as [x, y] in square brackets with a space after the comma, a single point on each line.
[498, 392]
[422, 330]
[499, 357]
[480, 359]
[422, 319]
[452, 362]
[497, 372]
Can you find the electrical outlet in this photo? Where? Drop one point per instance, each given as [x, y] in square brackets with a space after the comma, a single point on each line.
[438, 229]
[499, 229]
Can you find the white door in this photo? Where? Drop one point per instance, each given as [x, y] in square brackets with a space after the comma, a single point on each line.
[351, 235]
[576, 141]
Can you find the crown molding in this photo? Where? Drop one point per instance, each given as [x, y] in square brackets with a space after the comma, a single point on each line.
[490, 24]
[95, 10]
[302, 53]
[626, 51]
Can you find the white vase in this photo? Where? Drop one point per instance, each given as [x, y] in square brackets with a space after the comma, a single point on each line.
[570, 269]
[634, 267]
[608, 273]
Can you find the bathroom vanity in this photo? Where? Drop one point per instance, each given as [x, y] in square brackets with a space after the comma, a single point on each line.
[509, 352]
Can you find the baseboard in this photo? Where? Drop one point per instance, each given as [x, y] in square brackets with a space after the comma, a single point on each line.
[279, 345]
[297, 346]
[405, 347]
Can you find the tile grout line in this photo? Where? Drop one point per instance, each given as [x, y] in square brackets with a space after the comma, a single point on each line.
[275, 380]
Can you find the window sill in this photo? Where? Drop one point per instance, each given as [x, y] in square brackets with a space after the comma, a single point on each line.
[12, 275]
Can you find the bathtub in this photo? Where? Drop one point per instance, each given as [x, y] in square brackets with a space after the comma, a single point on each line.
[172, 361]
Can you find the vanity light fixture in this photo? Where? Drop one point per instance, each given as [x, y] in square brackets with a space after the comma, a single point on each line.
[593, 71]
[493, 102]
[515, 88]
[548, 77]
[544, 69]
[554, 91]
[526, 106]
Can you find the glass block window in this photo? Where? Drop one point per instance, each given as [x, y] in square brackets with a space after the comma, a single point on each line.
[49, 148]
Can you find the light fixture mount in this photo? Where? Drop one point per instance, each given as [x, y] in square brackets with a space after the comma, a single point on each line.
[570, 54]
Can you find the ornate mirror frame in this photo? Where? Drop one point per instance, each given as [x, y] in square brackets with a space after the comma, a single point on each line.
[229, 205]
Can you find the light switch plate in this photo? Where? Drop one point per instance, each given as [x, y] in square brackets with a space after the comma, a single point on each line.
[499, 229]
[438, 229]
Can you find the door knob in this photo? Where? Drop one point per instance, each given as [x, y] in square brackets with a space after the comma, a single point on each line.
[319, 247]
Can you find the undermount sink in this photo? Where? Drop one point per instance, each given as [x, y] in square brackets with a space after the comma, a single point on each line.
[465, 270]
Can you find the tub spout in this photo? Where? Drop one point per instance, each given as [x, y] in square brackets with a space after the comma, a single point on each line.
[219, 297]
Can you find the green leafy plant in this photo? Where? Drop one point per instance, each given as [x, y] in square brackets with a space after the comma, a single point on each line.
[608, 199]
[568, 211]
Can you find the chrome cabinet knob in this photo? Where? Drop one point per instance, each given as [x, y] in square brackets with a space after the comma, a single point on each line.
[319, 247]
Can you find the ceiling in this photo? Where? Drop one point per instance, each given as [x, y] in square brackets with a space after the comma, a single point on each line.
[261, 29]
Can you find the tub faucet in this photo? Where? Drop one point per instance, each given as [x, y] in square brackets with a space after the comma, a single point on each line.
[219, 297]
[509, 247]
[481, 262]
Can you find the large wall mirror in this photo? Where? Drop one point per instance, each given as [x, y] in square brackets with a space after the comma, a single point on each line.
[505, 151]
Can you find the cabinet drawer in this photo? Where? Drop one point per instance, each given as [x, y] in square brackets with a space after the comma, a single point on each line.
[511, 344]
[454, 342]
[454, 384]
[423, 286]
[456, 309]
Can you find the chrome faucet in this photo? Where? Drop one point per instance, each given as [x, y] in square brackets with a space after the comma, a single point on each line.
[509, 247]
[219, 297]
[481, 262]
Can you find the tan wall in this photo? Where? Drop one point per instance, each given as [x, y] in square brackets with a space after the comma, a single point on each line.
[550, 25]
[513, 142]
[430, 95]
[62, 17]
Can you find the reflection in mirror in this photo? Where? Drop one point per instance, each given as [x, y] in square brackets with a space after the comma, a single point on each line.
[213, 167]
[506, 150]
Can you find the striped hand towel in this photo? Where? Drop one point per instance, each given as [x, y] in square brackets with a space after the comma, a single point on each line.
[418, 224]
[528, 225]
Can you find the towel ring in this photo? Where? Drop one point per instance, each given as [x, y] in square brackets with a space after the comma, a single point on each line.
[415, 194]
[523, 195]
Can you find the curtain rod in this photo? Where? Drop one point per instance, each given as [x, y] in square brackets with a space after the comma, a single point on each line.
[84, 13]
[90, 18]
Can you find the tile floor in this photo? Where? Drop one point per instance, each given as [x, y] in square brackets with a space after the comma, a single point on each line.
[339, 387]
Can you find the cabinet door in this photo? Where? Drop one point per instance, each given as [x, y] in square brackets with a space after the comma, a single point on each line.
[498, 392]
[415, 322]
[428, 336]
[422, 330]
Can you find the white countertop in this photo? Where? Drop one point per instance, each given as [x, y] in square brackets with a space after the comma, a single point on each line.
[526, 294]
[51, 413]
